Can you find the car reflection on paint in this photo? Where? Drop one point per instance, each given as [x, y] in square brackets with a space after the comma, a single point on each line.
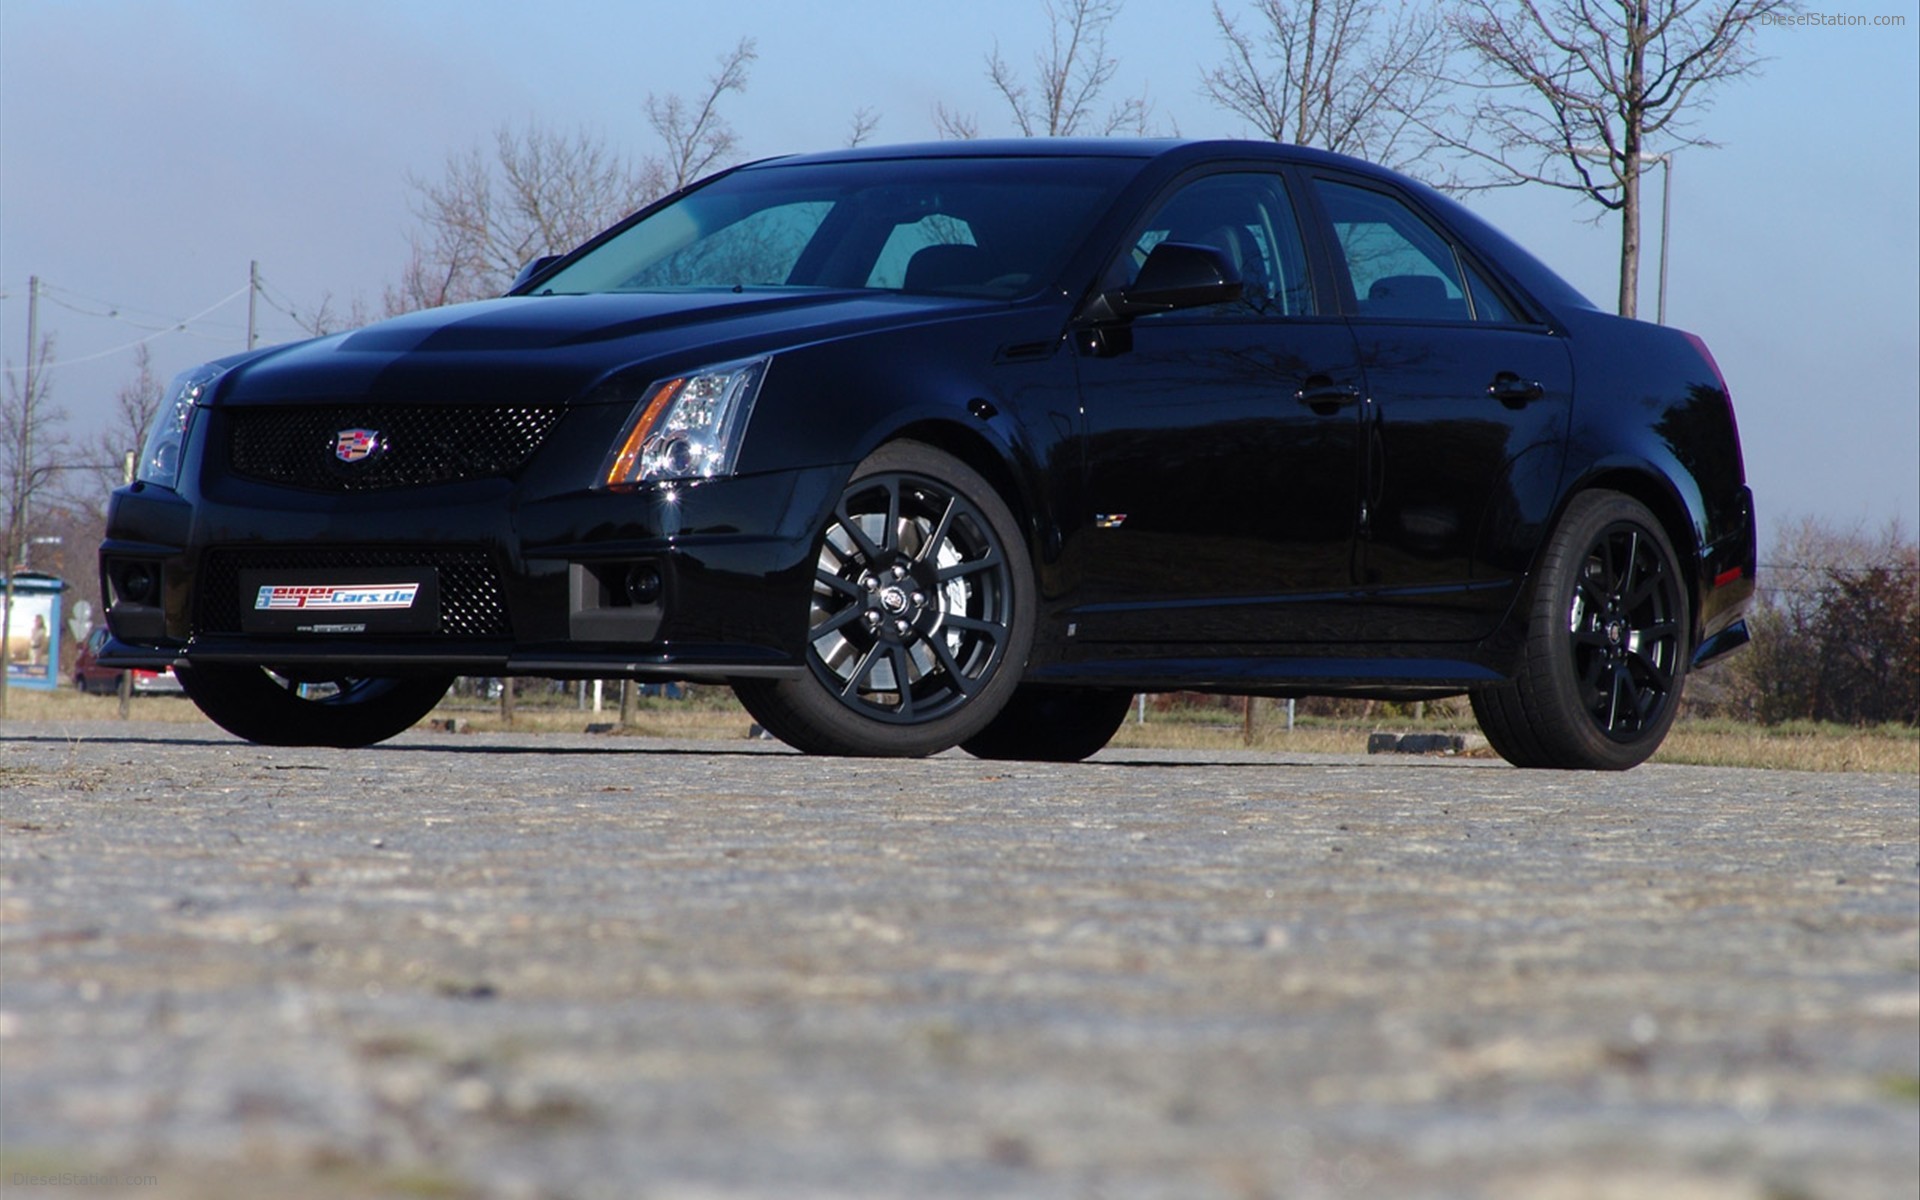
[90, 676]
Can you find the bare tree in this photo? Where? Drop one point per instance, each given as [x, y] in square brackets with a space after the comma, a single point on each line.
[953, 125]
[1069, 77]
[696, 136]
[323, 318]
[115, 446]
[33, 450]
[1357, 77]
[861, 127]
[1585, 94]
[539, 191]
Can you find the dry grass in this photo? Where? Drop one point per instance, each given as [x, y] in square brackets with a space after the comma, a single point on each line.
[65, 704]
[713, 714]
[1800, 746]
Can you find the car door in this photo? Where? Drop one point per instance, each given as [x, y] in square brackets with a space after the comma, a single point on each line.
[1222, 444]
[1468, 400]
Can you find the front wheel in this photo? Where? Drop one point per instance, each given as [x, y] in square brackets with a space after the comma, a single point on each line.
[273, 710]
[921, 614]
[1607, 645]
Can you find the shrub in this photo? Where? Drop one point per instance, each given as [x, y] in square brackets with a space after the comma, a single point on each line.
[1836, 631]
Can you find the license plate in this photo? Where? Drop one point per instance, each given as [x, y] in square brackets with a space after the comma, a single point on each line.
[332, 600]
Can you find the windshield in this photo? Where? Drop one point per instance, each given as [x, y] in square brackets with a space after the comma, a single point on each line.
[991, 227]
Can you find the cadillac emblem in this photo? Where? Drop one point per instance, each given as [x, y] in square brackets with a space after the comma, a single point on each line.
[357, 445]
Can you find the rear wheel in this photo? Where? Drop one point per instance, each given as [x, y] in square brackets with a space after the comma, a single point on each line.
[921, 614]
[1051, 724]
[1607, 645]
[275, 710]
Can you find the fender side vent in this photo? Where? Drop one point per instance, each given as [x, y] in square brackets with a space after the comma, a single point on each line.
[1024, 352]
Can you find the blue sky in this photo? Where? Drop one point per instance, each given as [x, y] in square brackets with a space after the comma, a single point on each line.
[149, 150]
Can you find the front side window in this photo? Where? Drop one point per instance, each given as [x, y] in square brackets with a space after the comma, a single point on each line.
[1400, 266]
[960, 226]
[1248, 218]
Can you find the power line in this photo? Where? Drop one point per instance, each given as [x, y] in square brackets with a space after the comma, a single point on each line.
[114, 310]
[156, 325]
[177, 326]
[280, 302]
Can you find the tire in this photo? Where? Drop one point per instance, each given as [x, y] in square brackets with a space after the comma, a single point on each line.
[251, 703]
[1051, 724]
[1607, 645]
[921, 576]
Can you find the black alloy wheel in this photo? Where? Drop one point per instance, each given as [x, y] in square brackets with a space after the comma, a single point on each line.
[1607, 647]
[283, 710]
[1624, 633]
[920, 616]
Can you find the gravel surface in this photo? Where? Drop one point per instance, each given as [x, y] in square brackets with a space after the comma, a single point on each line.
[573, 966]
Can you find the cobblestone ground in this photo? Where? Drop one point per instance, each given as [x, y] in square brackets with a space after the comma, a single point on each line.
[568, 966]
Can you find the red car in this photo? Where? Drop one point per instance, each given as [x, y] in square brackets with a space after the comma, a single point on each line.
[90, 676]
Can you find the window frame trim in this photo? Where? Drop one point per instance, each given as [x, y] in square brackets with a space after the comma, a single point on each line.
[1467, 260]
[1325, 306]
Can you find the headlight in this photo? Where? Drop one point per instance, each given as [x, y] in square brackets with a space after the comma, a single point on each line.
[689, 427]
[166, 440]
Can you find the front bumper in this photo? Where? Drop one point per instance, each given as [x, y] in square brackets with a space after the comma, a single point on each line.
[701, 581]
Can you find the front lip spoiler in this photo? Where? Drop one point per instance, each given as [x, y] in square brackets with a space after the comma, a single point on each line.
[364, 658]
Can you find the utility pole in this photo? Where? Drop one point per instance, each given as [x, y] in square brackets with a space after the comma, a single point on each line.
[26, 426]
[253, 295]
[1666, 223]
[18, 486]
[126, 677]
[1640, 163]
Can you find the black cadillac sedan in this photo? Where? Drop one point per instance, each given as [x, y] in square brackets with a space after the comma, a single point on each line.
[965, 444]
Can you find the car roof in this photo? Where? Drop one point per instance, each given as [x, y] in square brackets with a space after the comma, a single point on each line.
[1043, 147]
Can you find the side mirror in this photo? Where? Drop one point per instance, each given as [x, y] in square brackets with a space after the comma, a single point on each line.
[1178, 275]
[532, 269]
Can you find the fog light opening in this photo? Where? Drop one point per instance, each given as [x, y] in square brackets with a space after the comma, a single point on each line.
[643, 584]
[137, 582]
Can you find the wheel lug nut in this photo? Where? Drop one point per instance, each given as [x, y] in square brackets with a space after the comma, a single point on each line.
[899, 572]
[899, 626]
[919, 598]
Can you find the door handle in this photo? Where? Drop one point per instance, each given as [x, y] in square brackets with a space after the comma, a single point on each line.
[1509, 388]
[1324, 396]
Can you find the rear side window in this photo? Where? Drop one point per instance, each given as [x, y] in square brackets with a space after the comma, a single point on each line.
[1401, 267]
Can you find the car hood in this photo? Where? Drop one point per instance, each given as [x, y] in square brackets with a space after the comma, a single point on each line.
[555, 350]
